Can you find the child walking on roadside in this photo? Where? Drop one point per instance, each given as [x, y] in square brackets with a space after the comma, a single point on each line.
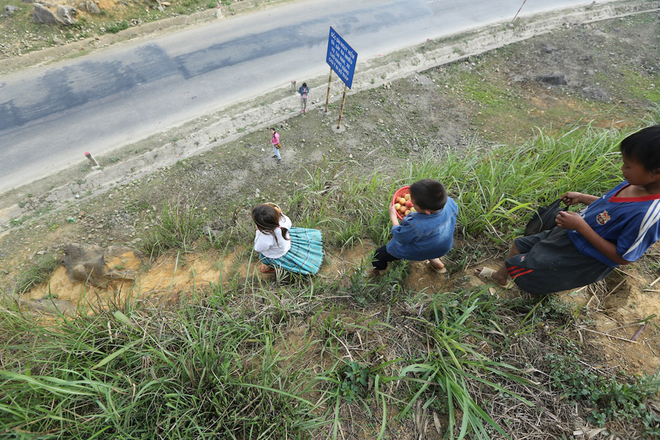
[275, 142]
[426, 234]
[282, 246]
[304, 91]
[612, 230]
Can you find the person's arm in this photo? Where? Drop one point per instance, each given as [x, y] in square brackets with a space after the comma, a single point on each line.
[573, 198]
[259, 244]
[393, 218]
[572, 220]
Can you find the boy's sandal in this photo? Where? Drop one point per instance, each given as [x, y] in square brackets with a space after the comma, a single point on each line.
[486, 275]
[266, 269]
[435, 269]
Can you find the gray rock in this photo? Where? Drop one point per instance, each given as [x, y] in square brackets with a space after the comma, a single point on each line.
[66, 14]
[10, 9]
[519, 78]
[86, 263]
[595, 93]
[43, 15]
[556, 79]
[89, 6]
[547, 48]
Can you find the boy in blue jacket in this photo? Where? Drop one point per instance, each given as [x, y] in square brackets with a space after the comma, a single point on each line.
[426, 234]
[615, 229]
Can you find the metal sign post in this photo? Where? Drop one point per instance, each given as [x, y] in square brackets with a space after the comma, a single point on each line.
[342, 59]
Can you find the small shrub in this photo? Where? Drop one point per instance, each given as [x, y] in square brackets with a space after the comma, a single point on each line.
[116, 27]
[353, 379]
[608, 397]
[39, 272]
[178, 226]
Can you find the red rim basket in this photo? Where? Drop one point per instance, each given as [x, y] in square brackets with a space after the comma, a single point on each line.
[401, 192]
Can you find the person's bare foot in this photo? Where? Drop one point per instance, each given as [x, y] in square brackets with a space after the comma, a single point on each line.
[487, 274]
[437, 265]
[266, 269]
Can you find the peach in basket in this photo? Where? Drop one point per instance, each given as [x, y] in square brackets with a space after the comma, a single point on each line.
[401, 201]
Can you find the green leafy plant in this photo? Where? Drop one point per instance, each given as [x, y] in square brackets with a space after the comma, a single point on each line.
[445, 375]
[353, 379]
[117, 27]
[178, 227]
[610, 398]
[38, 272]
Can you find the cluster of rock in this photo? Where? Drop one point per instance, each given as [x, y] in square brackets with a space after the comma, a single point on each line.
[88, 263]
[48, 13]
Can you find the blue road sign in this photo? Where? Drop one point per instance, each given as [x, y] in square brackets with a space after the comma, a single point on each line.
[341, 57]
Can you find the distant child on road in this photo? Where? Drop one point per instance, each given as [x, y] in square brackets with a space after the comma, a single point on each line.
[615, 229]
[275, 142]
[304, 91]
[426, 234]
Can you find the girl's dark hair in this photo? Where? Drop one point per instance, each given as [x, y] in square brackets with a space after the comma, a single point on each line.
[273, 128]
[304, 84]
[267, 220]
[644, 147]
[429, 194]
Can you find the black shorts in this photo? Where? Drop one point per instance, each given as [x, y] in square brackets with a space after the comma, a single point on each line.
[382, 258]
[549, 262]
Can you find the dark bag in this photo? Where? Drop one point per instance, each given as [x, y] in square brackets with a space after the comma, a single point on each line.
[544, 218]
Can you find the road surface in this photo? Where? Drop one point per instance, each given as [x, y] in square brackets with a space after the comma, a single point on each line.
[51, 115]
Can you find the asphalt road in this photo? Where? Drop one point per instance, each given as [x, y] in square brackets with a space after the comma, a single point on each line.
[51, 115]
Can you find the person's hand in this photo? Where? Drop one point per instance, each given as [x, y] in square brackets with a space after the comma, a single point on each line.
[571, 198]
[569, 220]
[393, 217]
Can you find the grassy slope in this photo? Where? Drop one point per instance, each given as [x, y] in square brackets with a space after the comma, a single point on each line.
[343, 357]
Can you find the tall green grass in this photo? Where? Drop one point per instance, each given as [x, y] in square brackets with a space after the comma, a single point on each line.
[212, 366]
[459, 326]
[193, 373]
[178, 226]
[38, 272]
[496, 188]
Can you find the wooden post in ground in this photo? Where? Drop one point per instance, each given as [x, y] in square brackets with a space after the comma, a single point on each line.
[519, 9]
[341, 110]
[327, 97]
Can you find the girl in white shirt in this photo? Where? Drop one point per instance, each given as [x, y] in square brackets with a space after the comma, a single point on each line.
[282, 246]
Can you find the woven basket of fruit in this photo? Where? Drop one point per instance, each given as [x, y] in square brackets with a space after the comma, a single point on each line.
[401, 202]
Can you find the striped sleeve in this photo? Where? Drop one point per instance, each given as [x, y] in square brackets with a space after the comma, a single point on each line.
[647, 235]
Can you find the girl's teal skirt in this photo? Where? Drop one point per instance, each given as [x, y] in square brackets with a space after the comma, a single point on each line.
[306, 253]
